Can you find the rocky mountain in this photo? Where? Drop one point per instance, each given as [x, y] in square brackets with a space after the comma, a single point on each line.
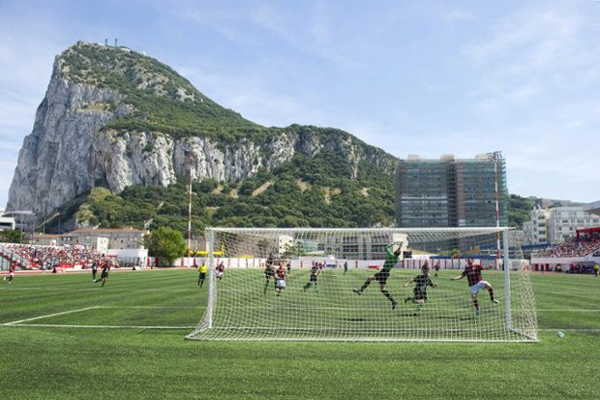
[114, 118]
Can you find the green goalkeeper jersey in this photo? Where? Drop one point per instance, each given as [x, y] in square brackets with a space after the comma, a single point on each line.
[390, 260]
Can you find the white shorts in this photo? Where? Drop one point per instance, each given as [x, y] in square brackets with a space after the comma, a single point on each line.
[11, 275]
[219, 274]
[280, 283]
[478, 286]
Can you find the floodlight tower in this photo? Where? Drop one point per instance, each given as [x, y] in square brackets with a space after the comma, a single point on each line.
[497, 156]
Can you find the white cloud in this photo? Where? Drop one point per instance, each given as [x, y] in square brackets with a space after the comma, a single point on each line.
[539, 74]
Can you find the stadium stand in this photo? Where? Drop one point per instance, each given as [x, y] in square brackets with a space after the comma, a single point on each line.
[46, 257]
[573, 248]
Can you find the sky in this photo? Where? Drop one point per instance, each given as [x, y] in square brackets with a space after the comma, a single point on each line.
[411, 77]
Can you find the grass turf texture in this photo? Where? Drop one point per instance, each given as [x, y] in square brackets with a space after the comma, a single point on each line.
[77, 363]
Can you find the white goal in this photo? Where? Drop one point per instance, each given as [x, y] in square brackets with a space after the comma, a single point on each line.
[336, 287]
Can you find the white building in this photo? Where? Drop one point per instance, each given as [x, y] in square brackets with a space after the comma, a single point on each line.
[118, 239]
[7, 223]
[563, 222]
[554, 225]
[536, 229]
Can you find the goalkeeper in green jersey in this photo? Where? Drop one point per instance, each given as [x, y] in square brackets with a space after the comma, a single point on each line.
[384, 273]
[419, 296]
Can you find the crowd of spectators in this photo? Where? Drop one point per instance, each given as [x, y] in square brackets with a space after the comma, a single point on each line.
[48, 257]
[573, 248]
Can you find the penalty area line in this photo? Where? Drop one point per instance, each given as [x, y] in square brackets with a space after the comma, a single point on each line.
[13, 323]
[105, 326]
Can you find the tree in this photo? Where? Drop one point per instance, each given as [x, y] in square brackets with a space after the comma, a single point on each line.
[166, 244]
[12, 236]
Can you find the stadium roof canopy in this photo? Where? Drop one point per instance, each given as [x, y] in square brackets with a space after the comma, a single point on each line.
[593, 208]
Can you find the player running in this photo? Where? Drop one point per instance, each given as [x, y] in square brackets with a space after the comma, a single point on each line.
[314, 272]
[384, 273]
[280, 282]
[419, 296]
[104, 274]
[476, 283]
[202, 270]
[437, 269]
[11, 273]
[94, 270]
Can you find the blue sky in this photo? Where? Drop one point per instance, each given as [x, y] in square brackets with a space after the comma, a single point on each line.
[411, 77]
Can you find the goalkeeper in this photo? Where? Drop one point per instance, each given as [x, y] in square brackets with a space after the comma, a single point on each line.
[269, 272]
[383, 274]
[419, 296]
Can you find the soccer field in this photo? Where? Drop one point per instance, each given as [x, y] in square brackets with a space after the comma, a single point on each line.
[64, 337]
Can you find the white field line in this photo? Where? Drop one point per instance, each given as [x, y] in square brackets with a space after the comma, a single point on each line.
[50, 315]
[569, 330]
[105, 326]
[155, 307]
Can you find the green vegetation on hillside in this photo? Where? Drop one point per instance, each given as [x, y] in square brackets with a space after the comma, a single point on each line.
[519, 209]
[163, 100]
[318, 192]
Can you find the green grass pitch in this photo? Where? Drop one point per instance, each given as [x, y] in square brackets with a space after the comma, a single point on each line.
[56, 349]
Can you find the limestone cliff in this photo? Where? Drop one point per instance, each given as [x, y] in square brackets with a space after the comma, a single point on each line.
[116, 117]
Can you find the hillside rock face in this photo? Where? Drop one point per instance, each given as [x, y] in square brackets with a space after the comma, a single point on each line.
[54, 163]
[70, 148]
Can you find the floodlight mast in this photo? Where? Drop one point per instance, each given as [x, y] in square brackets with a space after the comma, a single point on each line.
[496, 156]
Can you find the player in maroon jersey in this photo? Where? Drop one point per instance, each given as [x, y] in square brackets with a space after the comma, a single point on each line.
[280, 279]
[476, 282]
[220, 270]
[11, 272]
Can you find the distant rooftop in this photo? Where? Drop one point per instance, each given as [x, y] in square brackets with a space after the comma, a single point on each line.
[450, 157]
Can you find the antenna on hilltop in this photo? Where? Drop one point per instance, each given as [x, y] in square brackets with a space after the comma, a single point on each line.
[116, 40]
[106, 42]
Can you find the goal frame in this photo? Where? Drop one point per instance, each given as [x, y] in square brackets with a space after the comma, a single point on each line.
[207, 320]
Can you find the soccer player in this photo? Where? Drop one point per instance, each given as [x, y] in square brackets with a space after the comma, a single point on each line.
[314, 272]
[220, 270]
[94, 270]
[419, 296]
[202, 269]
[384, 273]
[596, 269]
[345, 267]
[11, 273]
[476, 282]
[104, 274]
[269, 272]
[280, 282]
[288, 266]
[437, 268]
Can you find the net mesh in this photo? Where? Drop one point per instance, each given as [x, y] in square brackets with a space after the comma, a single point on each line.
[324, 268]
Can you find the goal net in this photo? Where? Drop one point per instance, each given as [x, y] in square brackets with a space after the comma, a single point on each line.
[339, 286]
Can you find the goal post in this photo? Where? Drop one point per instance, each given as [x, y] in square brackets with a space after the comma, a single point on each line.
[335, 290]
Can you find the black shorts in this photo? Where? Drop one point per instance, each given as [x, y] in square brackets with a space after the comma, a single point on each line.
[269, 275]
[419, 295]
[382, 277]
[202, 275]
[313, 278]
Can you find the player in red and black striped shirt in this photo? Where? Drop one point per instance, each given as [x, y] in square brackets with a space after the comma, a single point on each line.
[280, 279]
[476, 282]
